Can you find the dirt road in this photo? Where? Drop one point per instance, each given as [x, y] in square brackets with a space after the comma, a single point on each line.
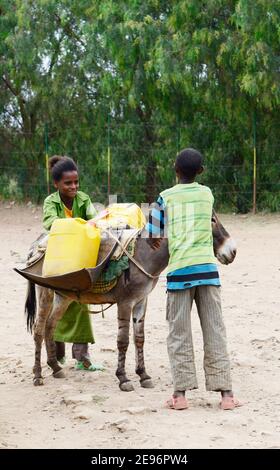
[87, 409]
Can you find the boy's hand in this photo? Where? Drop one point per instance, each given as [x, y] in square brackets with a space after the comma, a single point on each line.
[154, 243]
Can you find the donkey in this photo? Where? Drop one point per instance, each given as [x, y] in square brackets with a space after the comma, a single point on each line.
[130, 297]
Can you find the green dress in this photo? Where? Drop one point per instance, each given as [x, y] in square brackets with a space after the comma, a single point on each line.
[75, 325]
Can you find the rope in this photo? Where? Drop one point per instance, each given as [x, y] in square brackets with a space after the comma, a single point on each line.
[100, 311]
[139, 266]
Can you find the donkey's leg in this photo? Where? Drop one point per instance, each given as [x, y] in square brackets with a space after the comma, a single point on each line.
[45, 303]
[139, 312]
[124, 314]
[60, 305]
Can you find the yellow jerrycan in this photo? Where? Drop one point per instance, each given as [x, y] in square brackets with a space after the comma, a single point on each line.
[73, 244]
[122, 215]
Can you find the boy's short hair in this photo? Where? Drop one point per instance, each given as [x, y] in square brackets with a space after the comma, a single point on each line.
[188, 162]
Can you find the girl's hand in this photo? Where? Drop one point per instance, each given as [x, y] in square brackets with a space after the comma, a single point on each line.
[92, 222]
[98, 217]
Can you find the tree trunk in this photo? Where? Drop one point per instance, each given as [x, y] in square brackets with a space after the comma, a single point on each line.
[151, 168]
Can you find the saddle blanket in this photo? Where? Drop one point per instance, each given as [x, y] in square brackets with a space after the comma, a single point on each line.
[118, 263]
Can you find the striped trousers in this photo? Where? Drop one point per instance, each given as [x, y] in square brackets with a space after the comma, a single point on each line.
[180, 343]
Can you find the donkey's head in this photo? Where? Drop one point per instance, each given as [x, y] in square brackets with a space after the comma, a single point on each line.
[224, 245]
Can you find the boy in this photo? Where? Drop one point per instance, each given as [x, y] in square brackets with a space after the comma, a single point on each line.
[192, 275]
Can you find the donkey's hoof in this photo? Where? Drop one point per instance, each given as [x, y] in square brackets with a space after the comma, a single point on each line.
[59, 374]
[147, 383]
[126, 387]
[38, 381]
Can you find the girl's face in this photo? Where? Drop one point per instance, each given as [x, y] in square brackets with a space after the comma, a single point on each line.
[68, 185]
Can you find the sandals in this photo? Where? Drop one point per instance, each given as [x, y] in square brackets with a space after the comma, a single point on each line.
[177, 403]
[86, 364]
[229, 403]
[181, 403]
[62, 360]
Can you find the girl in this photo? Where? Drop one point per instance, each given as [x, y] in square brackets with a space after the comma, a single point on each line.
[75, 326]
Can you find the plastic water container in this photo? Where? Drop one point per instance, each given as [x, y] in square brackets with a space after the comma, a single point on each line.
[122, 215]
[73, 244]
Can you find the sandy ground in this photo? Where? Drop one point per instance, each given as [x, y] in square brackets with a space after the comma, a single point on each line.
[87, 410]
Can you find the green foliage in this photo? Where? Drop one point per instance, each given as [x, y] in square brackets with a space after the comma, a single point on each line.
[10, 188]
[145, 79]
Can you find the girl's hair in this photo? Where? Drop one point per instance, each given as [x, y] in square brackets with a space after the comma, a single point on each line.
[59, 164]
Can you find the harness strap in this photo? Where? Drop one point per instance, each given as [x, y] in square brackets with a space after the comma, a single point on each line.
[102, 310]
[139, 266]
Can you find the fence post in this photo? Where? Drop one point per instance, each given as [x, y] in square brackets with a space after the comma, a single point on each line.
[254, 164]
[108, 158]
[47, 158]
[178, 142]
[178, 135]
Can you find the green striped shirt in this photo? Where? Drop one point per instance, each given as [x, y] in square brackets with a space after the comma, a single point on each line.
[189, 211]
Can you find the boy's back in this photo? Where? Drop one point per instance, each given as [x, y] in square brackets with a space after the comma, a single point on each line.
[189, 211]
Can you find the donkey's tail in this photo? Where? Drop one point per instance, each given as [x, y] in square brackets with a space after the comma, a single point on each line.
[30, 306]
